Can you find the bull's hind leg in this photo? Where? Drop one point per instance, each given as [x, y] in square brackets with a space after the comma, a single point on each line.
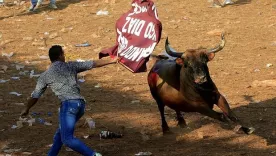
[180, 119]
[224, 106]
[161, 108]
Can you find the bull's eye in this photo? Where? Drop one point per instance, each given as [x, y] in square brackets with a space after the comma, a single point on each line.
[186, 63]
[204, 58]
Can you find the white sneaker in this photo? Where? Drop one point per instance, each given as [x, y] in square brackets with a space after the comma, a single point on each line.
[216, 4]
[31, 9]
[39, 2]
[228, 2]
[97, 154]
[53, 6]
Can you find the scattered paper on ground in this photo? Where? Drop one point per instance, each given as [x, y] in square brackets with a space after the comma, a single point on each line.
[15, 93]
[102, 12]
[3, 68]
[3, 81]
[33, 75]
[8, 54]
[19, 66]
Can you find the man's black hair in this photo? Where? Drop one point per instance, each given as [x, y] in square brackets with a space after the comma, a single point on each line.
[54, 52]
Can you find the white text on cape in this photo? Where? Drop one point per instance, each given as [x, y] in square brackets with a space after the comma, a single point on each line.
[134, 26]
[137, 53]
[141, 9]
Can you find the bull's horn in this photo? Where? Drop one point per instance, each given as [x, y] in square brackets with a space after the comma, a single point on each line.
[219, 47]
[169, 51]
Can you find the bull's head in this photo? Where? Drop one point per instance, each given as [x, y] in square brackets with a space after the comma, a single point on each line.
[194, 61]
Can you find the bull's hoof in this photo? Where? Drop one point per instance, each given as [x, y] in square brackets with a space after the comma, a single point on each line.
[223, 118]
[249, 130]
[166, 130]
[182, 124]
[246, 130]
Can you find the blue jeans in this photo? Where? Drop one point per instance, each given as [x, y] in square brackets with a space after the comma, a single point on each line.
[70, 112]
[35, 1]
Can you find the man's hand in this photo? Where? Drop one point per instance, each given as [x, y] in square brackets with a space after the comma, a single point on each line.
[31, 103]
[24, 112]
[115, 59]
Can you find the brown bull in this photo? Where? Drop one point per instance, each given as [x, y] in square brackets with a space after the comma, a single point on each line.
[184, 84]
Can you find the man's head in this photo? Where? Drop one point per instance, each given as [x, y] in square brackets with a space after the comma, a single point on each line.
[56, 53]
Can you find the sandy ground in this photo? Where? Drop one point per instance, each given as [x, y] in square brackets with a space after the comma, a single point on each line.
[250, 28]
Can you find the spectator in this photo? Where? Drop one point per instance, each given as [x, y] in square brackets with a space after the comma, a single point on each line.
[1, 2]
[217, 4]
[36, 3]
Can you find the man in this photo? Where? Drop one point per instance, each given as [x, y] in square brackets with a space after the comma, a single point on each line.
[2, 3]
[61, 77]
[36, 3]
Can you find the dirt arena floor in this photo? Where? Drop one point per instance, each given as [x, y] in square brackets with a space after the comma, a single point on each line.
[120, 101]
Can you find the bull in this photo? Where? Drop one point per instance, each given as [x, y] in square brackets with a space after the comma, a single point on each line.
[184, 85]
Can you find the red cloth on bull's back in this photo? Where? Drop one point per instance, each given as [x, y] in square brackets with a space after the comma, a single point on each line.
[138, 32]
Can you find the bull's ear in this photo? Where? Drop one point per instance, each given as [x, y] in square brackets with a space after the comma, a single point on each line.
[211, 56]
[179, 61]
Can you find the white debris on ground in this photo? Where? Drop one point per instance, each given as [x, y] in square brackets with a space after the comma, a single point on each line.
[23, 73]
[86, 136]
[8, 55]
[135, 101]
[27, 38]
[11, 150]
[81, 80]
[3, 68]
[98, 85]
[4, 81]
[19, 66]
[90, 122]
[102, 12]
[33, 62]
[80, 60]
[19, 104]
[33, 75]
[15, 93]
[269, 65]
[69, 149]
[143, 154]
[43, 57]
[15, 78]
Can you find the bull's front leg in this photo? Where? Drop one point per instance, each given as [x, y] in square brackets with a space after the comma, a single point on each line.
[224, 106]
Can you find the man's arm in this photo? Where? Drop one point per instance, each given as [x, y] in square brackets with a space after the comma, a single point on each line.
[40, 88]
[100, 63]
[30, 104]
[87, 65]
